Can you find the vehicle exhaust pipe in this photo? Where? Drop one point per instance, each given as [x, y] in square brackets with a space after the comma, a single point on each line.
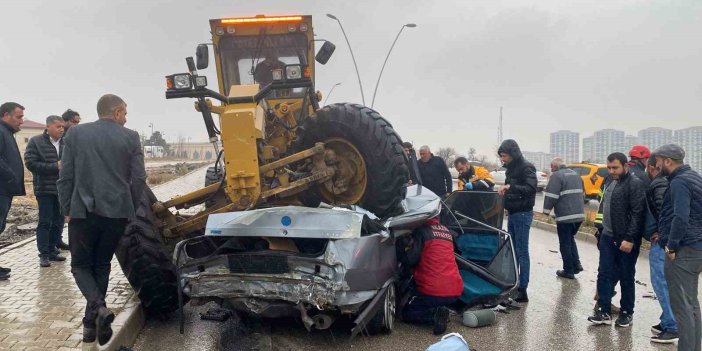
[323, 321]
[306, 320]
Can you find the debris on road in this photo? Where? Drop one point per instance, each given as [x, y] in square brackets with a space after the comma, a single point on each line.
[21, 221]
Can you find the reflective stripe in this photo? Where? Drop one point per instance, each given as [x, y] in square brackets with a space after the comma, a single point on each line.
[484, 183]
[572, 191]
[551, 195]
[573, 216]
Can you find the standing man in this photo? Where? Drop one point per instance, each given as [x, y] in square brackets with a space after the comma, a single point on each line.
[11, 168]
[666, 332]
[680, 228]
[564, 195]
[638, 156]
[102, 178]
[411, 157]
[623, 215]
[472, 177]
[434, 172]
[43, 158]
[519, 194]
[71, 118]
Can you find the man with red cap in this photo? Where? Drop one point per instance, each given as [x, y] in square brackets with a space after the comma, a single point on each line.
[638, 156]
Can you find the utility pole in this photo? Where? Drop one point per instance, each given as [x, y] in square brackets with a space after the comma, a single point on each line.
[360, 85]
[499, 134]
[408, 25]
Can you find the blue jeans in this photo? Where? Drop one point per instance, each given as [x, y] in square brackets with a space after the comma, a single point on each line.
[656, 261]
[518, 226]
[614, 264]
[5, 203]
[420, 308]
[568, 246]
[50, 226]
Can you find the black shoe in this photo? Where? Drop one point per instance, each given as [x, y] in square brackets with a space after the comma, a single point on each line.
[4, 276]
[44, 262]
[522, 296]
[441, 318]
[624, 320]
[656, 329]
[600, 318]
[5, 270]
[57, 258]
[104, 325]
[578, 269]
[561, 273]
[665, 338]
[89, 334]
[62, 246]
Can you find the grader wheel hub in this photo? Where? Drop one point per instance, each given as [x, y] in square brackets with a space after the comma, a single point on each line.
[350, 179]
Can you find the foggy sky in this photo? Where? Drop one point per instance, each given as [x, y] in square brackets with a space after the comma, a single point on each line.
[552, 64]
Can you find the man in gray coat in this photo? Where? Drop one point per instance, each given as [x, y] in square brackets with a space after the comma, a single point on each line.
[564, 194]
[102, 177]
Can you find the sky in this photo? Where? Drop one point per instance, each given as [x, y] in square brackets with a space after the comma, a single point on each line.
[551, 64]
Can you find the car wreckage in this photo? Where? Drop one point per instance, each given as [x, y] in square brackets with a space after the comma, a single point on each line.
[317, 264]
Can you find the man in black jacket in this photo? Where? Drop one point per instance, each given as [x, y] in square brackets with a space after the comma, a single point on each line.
[43, 158]
[101, 180]
[519, 194]
[623, 208]
[11, 168]
[434, 172]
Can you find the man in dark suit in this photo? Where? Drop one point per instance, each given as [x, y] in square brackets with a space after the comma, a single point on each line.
[42, 157]
[102, 177]
[11, 168]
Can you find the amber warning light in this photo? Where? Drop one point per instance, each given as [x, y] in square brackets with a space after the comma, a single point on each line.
[261, 20]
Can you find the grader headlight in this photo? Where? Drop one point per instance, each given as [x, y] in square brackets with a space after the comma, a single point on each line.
[179, 81]
[293, 72]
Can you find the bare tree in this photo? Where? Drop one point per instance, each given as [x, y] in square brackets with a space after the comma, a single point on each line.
[485, 161]
[448, 154]
[471, 153]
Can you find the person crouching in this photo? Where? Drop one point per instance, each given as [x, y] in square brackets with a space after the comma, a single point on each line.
[428, 254]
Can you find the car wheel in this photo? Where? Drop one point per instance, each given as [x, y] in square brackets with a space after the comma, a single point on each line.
[384, 319]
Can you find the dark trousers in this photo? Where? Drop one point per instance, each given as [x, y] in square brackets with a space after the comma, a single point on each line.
[50, 227]
[5, 203]
[420, 308]
[683, 276]
[93, 243]
[568, 246]
[614, 264]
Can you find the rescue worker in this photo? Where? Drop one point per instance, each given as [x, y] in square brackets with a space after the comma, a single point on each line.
[428, 254]
[472, 177]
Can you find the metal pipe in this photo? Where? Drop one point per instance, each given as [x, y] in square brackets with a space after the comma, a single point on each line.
[360, 85]
[410, 25]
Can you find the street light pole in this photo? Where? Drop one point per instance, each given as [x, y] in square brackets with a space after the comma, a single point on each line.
[410, 25]
[330, 91]
[360, 85]
[152, 129]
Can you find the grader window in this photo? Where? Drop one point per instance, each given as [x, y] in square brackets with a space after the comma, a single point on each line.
[250, 59]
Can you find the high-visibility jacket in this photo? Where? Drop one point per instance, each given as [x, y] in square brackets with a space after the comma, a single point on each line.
[478, 177]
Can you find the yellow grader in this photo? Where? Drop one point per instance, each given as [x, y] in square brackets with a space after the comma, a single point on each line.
[276, 145]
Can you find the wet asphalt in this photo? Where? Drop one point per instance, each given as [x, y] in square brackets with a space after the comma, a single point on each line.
[554, 319]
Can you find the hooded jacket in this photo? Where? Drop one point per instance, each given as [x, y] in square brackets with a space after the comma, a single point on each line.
[521, 178]
[11, 167]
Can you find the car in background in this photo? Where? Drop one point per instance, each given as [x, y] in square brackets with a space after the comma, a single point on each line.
[593, 175]
[499, 176]
[541, 181]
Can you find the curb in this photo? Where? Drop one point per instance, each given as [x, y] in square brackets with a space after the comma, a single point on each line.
[583, 236]
[17, 245]
[125, 328]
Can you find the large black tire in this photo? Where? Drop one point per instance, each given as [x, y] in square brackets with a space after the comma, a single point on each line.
[146, 261]
[380, 146]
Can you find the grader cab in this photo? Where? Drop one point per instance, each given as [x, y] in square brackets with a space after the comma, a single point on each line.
[276, 145]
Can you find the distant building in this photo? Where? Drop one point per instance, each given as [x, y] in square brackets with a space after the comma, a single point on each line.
[566, 145]
[28, 129]
[153, 151]
[588, 149]
[655, 137]
[629, 142]
[541, 160]
[690, 139]
[607, 141]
